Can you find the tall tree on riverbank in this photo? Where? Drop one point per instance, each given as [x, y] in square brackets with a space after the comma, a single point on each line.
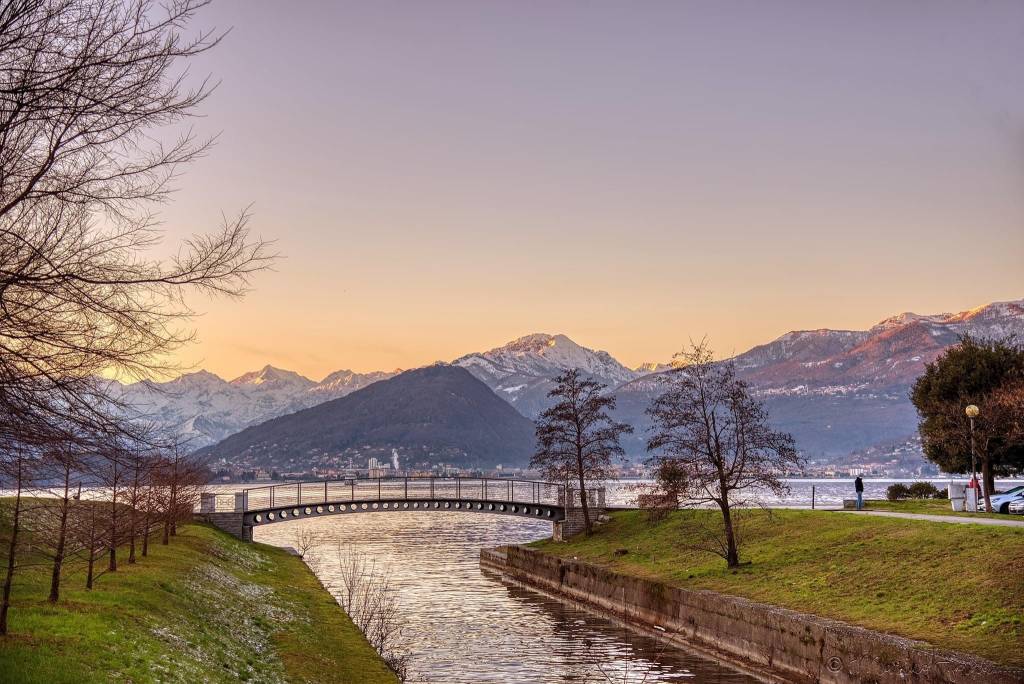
[713, 437]
[577, 439]
[94, 93]
[988, 374]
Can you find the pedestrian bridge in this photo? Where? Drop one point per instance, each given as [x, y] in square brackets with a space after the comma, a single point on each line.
[255, 507]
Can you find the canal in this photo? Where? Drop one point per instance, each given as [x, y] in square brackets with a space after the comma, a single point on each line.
[463, 624]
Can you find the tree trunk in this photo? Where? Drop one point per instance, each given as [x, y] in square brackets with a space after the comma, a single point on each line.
[58, 555]
[583, 500]
[732, 554]
[12, 547]
[112, 546]
[145, 529]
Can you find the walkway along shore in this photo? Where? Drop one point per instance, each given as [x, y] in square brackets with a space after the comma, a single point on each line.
[771, 643]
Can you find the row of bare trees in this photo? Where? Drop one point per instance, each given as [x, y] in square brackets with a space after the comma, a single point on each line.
[71, 505]
[95, 101]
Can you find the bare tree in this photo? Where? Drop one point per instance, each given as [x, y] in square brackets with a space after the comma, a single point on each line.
[367, 597]
[90, 90]
[576, 438]
[714, 438]
[63, 461]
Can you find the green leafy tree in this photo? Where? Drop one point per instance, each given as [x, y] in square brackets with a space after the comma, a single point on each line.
[986, 373]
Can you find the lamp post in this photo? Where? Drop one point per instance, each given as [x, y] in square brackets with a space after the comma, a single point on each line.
[972, 412]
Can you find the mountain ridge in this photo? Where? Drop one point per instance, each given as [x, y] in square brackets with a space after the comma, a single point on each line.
[875, 366]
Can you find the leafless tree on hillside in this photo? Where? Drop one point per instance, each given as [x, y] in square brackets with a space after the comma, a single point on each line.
[714, 439]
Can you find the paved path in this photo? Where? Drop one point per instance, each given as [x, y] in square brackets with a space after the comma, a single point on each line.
[1007, 522]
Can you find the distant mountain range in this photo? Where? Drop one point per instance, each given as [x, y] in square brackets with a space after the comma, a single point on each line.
[837, 391]
[435, 414]
[205, 408]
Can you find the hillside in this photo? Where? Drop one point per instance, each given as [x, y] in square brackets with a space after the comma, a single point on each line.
[440, 412]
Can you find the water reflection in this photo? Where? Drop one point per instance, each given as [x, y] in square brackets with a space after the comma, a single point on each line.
[467, 625]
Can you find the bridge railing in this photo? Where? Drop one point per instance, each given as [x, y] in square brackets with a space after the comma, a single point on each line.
[392, 488]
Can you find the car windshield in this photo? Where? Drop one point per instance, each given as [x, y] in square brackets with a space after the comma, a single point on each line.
[1014, 490]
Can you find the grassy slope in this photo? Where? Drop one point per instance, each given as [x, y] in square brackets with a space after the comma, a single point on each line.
[206, 608]
[954, 586]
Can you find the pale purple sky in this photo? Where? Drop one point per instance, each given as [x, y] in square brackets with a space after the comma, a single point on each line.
[445, 176]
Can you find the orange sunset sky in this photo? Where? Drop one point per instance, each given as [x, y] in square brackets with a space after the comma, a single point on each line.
[443, 177]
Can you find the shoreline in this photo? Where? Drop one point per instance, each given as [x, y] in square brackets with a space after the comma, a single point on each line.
[767, 642]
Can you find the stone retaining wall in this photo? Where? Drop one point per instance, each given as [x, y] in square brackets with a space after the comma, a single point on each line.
[229, 521]
[780, 644]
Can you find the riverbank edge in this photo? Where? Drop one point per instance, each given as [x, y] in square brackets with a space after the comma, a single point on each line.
[770, 643]
[127, 627]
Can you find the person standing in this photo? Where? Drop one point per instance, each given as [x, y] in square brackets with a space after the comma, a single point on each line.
[858, 484]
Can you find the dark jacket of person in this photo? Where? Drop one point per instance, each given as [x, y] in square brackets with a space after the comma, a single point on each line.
[858, 484]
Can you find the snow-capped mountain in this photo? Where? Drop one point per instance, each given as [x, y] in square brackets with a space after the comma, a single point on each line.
[342, 382]
[890, 353]
[839, 391]
[205, 408]
[521, 371]
[835, 390]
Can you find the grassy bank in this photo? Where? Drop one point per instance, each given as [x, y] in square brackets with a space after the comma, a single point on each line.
[954, 586]
[928, 506]
[207, 608]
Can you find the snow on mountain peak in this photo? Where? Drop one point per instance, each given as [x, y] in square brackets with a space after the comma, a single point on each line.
[272, 377]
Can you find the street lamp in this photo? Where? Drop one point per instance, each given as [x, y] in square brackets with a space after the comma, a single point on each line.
[972, 412]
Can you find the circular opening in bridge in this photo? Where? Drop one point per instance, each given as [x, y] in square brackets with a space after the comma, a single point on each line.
[447, 504]
[375, 506]
[490, 507]
[437, 505]
[415, 504]
[548, 513]
[537, 511]
[364, 507]
[405, 505]
[308, 510]
[384, 506]
[284, 514]
[352, 507]
[501, 507]
[319, 509]
[258, 518]
[295, 512]
[270, 516]
[479, 506]
[515, 509]
[458, 504]
[330, 509]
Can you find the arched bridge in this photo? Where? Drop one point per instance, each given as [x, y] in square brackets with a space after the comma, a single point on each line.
[259, 506]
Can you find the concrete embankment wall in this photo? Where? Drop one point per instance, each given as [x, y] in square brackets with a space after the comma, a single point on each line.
[772, 643]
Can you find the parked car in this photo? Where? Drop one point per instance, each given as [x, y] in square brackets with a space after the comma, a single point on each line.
[1016, 507]
[1001, 502]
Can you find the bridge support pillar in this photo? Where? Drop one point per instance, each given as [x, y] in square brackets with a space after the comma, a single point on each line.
[230, 522]
[574, 522]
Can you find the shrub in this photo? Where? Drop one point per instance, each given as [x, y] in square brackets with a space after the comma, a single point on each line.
[923, 490]
[897, 491]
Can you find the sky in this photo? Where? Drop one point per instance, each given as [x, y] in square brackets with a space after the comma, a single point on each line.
[443, 177]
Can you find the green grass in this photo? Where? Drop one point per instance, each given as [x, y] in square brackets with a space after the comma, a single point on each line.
[927, 506]
[959, 587]
[206, 608]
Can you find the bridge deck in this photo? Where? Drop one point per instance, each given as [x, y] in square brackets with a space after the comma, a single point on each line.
[403, 489]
